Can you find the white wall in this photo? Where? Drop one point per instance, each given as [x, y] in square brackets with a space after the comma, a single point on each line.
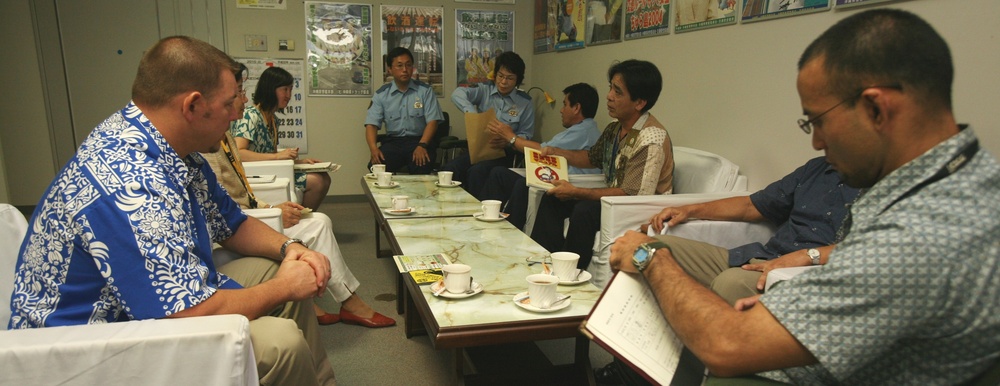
[26, 151]
[731, 90]
[336, 124]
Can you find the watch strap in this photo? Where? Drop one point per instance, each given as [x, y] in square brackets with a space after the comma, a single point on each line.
[284, 247]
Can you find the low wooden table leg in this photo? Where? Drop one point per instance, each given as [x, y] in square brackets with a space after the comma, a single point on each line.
[582, 356]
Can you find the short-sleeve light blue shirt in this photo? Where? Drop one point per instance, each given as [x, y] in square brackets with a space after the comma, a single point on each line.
[580, 136]
[405, 113]
[514, 109]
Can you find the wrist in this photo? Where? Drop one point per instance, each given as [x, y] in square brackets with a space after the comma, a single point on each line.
[284, 247]
[422, 144]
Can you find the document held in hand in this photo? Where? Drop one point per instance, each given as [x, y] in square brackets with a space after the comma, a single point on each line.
[628, 322]
[479, 137]
[540, 171]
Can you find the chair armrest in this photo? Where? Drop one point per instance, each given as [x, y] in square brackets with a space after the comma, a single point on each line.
[280, 168]
[279, 191]
[270, 216]
[624, 213]
[208, 350]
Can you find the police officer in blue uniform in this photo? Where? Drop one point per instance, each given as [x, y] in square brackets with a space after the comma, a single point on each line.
[410, 111]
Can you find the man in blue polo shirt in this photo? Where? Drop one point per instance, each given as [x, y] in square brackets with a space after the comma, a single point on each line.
[410, 111]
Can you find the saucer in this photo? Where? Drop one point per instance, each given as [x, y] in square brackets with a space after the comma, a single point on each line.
[584, 277]
[370, 176]
[400, 212]
[479, 216]
[476, 288]
[526, 303]
[454, 184]
[392, 184]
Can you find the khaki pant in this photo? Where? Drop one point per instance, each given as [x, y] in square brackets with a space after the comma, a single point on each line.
[709, 265]
[286, 343]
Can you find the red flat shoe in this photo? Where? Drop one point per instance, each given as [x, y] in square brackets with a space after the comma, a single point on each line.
[377, 320]
[328, 319]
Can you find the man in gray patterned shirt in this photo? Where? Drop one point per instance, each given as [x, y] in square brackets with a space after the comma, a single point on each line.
[910, 295]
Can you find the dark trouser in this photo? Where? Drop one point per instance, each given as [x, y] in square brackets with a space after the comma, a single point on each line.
[398, 152]
[584, 222]
[473, 177]
[510, 188]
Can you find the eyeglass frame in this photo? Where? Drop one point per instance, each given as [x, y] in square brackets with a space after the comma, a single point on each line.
[807, 124]
[510, 78]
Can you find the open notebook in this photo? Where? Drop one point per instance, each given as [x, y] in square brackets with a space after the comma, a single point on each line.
[317, 167]
[628, 322]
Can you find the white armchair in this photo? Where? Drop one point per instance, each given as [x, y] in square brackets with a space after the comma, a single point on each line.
[699, 176]
[282, 188]
[209, 350]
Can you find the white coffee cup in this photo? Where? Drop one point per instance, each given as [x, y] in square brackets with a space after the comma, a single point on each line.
[384, 179]
[457, 278]
[400, 202]
[491, 209]
[542, 289]
[378, 168]
[564, 265]
[444, 178]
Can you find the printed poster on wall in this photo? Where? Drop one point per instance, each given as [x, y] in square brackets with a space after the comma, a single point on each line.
[292, 124]
[645, 18]
[855, 3]
[480, 37]
[339, 49]
[692, 15]
[546, 13]
[756, 10]
[261, 4]
[571, 24]
[420, 30]
[604, 21]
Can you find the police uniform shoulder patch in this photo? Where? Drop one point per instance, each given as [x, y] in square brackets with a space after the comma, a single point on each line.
[523, 94]
[383, 88]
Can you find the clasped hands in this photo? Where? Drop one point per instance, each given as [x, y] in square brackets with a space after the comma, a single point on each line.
[305, 271]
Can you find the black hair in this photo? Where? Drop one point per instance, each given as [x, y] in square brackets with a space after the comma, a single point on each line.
[396, 52]
[641, 78]
[270, 80]
[585, 95]
[512, 62]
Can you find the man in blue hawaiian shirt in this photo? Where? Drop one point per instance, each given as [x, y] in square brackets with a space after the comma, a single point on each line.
[910, 295]
[125, 232]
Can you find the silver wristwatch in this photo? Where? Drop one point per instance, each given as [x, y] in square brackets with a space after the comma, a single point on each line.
[813, 255]
[512, 140]
[284, 247]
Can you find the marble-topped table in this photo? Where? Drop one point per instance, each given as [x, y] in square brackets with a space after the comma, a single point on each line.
[425, 197]
[499, 254]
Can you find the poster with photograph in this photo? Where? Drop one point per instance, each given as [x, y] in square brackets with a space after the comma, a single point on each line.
[645, 18]
[420, 30]
[292, 123]
[339, 49]
[571, 24]
[855, 3]
[700, 14]
[604, 21]
[546, 13]
[756, 10]
[480, 37]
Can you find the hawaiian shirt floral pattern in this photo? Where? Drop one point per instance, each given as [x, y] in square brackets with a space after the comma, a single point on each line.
[124, 232]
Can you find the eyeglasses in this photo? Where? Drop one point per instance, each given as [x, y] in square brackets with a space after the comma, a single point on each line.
[243, 92]
[807, 125]
[509, 78]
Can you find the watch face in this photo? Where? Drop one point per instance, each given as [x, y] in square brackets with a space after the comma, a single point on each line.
[641, 255]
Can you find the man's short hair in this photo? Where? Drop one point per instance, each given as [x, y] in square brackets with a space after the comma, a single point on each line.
[176, 65]
[641, 78]
[585, 95]
[272, 78]
[885, 46]
[396, 52]
[512, 62]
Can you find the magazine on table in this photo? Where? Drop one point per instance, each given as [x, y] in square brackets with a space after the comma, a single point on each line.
[424, 269]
